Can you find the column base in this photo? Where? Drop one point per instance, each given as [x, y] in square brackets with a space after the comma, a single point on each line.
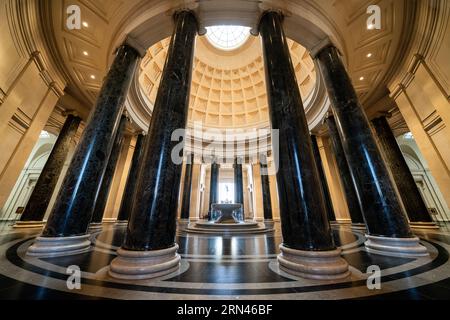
[318, 265]
[424, 225]
[28, 224]
[405, 247]
[269, 223]
[60, 246]
[122, 222]
[95, 225]
[358, 226]
[138, 265]
[183, 223]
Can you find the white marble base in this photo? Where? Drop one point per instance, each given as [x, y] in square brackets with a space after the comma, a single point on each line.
[358, 226]
[269, 224]
[95, 226]
[319, 265]
[424, 225]
[404, 247]
[28, 224]
[137, 265]
[59, 246]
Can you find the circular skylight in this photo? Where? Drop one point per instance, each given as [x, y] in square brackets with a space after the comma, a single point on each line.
[227, 37]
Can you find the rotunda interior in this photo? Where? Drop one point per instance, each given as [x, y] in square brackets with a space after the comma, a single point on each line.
[216, 150]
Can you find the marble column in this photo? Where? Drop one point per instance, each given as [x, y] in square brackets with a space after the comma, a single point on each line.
[265, 187]
[105, 186]
[412, 199]
[308, 249]
[36, 207]
[351, 195]
[323, 179]
[213, 187]
[133, 175]
[149, 249]
[238, 183]
[66, 229]
[187, 188]
[386, 221]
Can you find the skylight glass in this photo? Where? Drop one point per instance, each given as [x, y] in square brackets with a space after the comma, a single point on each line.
[227, 37]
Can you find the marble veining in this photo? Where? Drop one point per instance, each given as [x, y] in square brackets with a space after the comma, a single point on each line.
[303, 213]
[351, 196]
[187, 188]
[152, 223]
[379, 201]
[412, 199]
[73, 208]
[43, 191]
[105, 186]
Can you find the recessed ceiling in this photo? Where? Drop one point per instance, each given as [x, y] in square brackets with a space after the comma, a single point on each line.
[228, 89]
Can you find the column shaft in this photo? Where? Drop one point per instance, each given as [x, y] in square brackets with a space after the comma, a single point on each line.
[323, 179]
[73, 208]
[265, 184]
[351, 195]
[187, 188]
[412, 199]
[43, 191]
[105, 186]
[127, 199]
[238, 182]
[380, 204]
[152, 224]
[213, 187]
[304, 219]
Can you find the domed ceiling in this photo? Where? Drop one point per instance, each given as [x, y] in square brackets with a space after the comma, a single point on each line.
[228, 87]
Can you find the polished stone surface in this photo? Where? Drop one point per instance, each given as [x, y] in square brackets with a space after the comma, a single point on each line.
[302, 207]
[265, 186]
[187, 188]
[238, 183]
[105, 186]
[412, 199]
[73, 208]
[223, 267]
[213, 187]
[152, 223]
[351, 195]
[43, 191]
[380, 204]
[127, 199]
[228, 213]
[323, 179]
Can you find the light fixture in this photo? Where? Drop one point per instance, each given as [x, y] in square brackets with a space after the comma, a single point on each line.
[369, 55]
[85, 53]
[92, 77]
[361, 79]
[85, 24]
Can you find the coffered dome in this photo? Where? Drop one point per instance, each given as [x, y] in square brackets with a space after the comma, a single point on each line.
[228, 87]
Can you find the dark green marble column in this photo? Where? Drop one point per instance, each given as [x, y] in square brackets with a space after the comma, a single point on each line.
[265, 184]
[187, 188]
[213, 187]
[127, 199]
[323, 179]
[238, 183]
[386, 221]
[73, 209]
[149, 249]
[351, 195]
[43, 191]
[308, 249]
[105, 187]
[412, 199]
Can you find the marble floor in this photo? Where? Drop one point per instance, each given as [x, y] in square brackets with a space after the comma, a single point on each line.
[224, 268]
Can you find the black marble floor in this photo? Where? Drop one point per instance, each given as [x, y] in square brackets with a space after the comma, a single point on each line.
[221, 268]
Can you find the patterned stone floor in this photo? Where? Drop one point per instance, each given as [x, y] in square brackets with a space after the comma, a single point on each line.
[224, 268]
